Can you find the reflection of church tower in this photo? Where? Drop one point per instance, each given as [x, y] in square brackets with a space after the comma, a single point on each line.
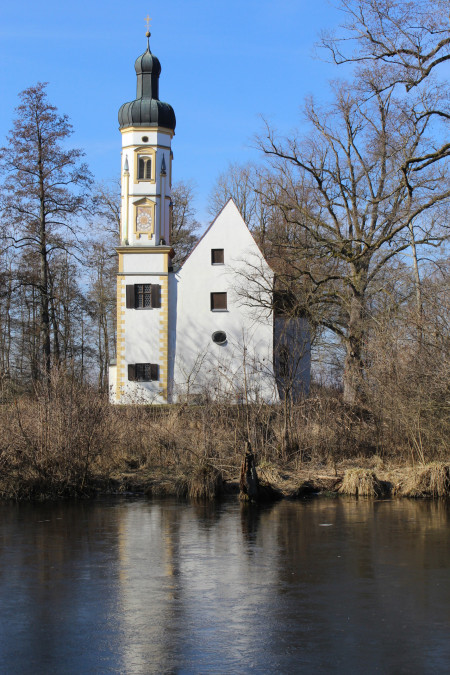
[147, 126]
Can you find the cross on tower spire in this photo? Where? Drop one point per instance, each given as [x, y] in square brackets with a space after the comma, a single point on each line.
[147, 20]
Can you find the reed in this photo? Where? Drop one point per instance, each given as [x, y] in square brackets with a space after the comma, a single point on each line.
[363, 483]
[432, 480]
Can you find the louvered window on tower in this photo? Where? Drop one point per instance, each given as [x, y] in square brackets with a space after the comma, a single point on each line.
[143, 372]
[144, 168]
[143, 296]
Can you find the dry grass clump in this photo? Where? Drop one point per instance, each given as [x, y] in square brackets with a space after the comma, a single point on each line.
[204, 482]
[363, 483]
[432, 480]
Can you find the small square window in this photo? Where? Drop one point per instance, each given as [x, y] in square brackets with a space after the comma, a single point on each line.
[218, 302]
[217, 257]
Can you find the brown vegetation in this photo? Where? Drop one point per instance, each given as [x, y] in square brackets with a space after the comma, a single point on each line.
[363, 483]
[67, 440]
[432, 480]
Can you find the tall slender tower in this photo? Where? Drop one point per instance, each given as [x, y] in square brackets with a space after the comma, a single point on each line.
[147, 126]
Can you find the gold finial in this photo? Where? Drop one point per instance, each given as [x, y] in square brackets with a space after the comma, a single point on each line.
[148, 19]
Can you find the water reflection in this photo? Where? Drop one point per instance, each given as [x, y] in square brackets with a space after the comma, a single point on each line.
[156, 587]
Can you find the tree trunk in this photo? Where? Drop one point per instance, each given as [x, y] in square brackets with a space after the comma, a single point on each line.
[54, 319]
[43, 278]
[353, 368]
[418, 287]
[249, 484]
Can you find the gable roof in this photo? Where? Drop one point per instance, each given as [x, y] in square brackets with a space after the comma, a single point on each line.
[231, 200]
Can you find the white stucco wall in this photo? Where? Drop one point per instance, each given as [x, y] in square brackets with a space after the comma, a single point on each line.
[138, 262]
[157, 191]
[144, 330]
[199, 364]
[245, 367]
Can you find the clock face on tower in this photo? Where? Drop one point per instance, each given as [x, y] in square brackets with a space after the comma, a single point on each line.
[144, 220]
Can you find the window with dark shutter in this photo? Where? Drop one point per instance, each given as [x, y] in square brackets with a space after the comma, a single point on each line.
[143, 372]
[130, 296]
[143, 296]
[156, 296]
[217, 256]
[218, 302]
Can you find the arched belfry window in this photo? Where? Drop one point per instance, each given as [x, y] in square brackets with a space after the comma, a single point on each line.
[144, 167]
[144, 164]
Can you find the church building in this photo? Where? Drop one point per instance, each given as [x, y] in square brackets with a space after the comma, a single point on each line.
[208, 329]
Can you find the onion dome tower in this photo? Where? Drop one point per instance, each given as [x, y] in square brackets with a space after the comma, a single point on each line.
[147, 110]
[147, 126]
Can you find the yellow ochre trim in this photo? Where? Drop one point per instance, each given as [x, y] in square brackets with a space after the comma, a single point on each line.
[120, 349]
[158, 146]
[143, 249]
[144, 151]
[148, 130]
[144, 202]
[124, 204]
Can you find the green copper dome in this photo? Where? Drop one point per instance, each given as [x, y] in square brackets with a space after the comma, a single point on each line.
[147, 110]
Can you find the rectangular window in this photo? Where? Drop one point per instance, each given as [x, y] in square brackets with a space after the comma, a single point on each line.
[143, 296]
[144, 168]
[217, 257]
[143, 372]
[218, 302]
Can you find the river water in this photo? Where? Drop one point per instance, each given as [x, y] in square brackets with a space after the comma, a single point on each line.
[137, 586]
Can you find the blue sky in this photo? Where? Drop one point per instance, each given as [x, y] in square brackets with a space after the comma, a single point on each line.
[223, 66]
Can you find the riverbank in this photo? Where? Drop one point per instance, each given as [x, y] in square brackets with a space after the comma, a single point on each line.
[66, 440]
[363, 478]
[350, 478]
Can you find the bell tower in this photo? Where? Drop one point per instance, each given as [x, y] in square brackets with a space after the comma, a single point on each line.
[147, 125]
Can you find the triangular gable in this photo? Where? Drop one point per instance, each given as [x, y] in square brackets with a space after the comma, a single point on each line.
[229, 217]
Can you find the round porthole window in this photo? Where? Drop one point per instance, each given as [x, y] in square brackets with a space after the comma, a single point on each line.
[219, 337]
[144, 139]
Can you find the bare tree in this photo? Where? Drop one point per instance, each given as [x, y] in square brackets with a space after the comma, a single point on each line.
[348, 189]
[184, 226]
[409, 42]
[45, 189]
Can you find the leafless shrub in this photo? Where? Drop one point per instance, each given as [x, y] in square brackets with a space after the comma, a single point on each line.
[57, 441]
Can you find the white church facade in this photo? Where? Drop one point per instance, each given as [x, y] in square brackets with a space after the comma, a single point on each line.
[208, 329]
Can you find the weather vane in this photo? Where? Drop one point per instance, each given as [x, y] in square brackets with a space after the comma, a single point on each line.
[147, 20]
